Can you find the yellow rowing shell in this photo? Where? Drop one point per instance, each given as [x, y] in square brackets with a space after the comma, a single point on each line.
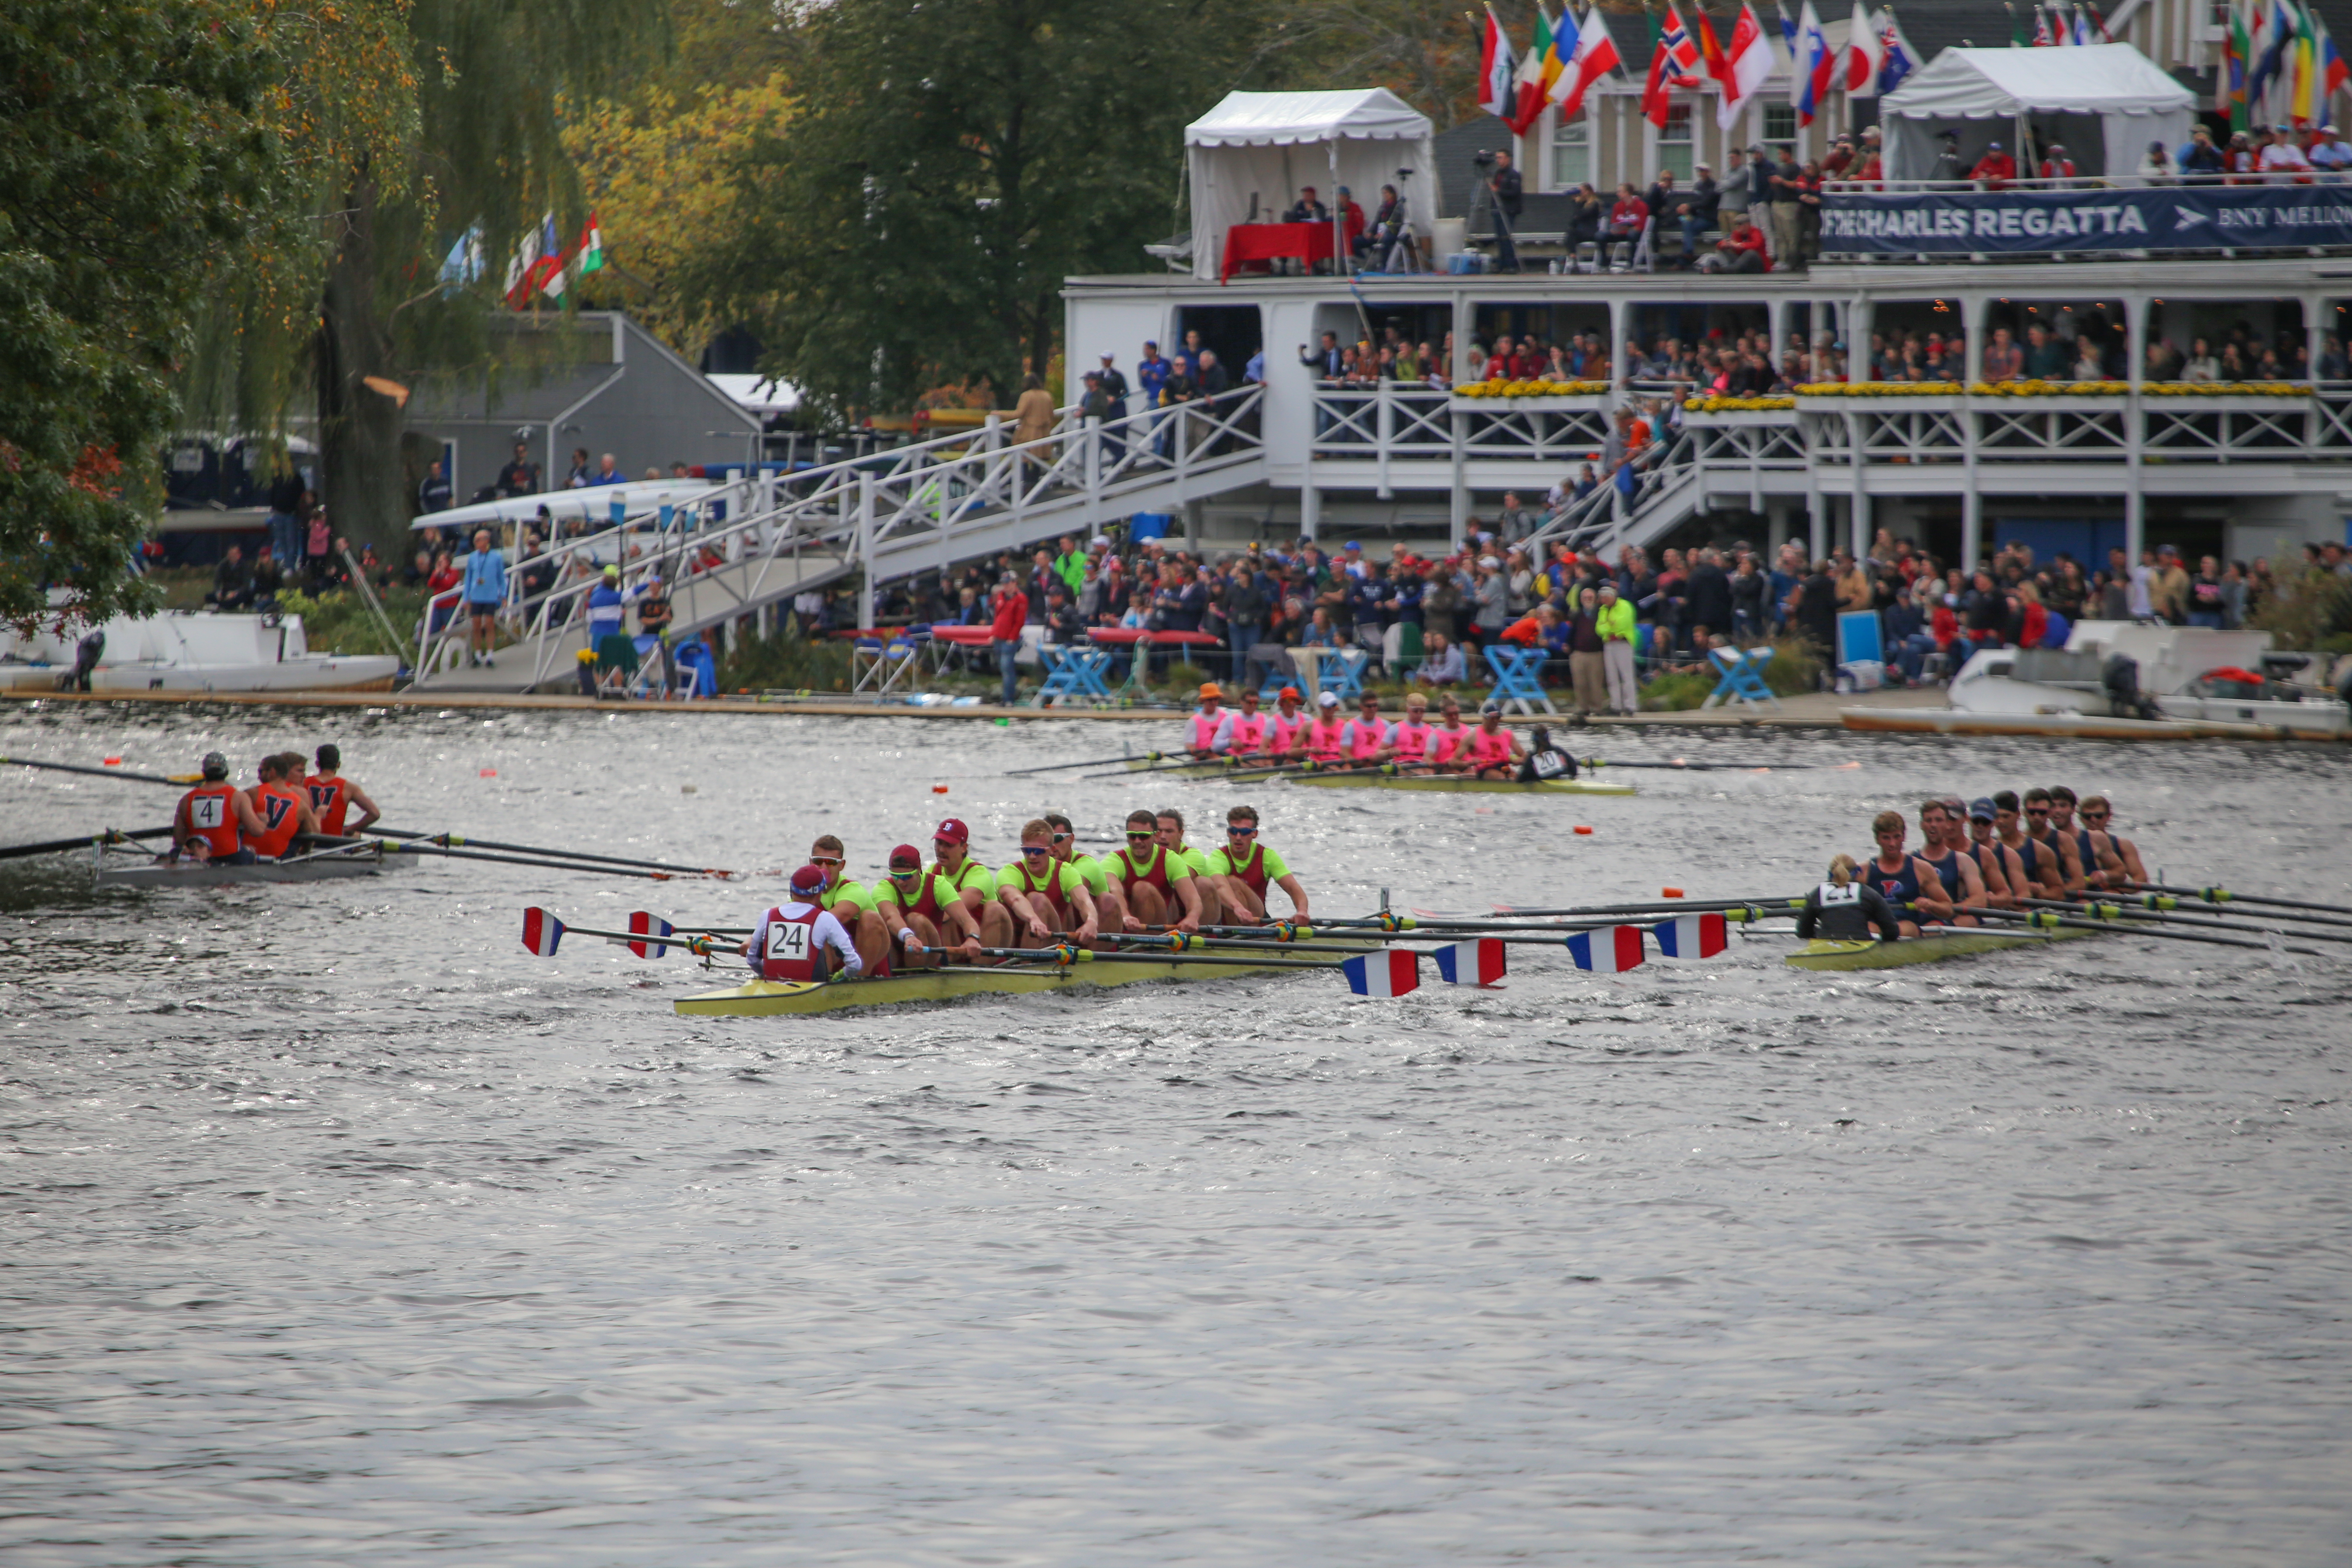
[1930, 949]
[1457, 783]
[765, 999]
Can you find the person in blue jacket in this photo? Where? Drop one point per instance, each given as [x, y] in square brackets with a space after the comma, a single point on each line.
[485, 592]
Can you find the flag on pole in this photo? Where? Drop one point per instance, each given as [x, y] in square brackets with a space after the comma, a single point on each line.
[648, 925]
[1692, 936]
[2084, 38]
[1557, 54]
[2016, 26]
[590, 254]
[2041, 38]
[1528, 91]
[1809, 89]
[463, 265]
[1478, 963]
[1674, 64]
[2333, 71]
[2301, 95]
[1750, 62]
[1596, 54]
[2270, 55]
[1494, 69]
[1787, 29]
[2230, 80]
[1393, 972]
[2099, 32]
[1862, 56]
[1897, 58]
[1613, 950]
[519, 268]
[541, 931]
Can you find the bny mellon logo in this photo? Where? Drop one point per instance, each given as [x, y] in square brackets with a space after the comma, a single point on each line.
[2186, 217]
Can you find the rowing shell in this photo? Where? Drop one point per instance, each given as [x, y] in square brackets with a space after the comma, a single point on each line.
[197, 874]
[1191, 770]
[1457, 783]
[764, 998]
[1930, 949]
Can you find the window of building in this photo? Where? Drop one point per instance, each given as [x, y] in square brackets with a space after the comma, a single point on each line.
[1780, 124]
[1674, 149]
[1571, 152]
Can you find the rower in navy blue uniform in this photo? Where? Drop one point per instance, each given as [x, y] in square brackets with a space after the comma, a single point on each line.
[2002, 869]
[1844, 909]
[2054, 863]
[1943, 824]
[1905, 881]
[2095, 851]
[2099, 816]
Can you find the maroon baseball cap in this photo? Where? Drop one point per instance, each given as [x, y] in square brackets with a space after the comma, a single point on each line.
[808, 880]
[905, 857]
[952, 831]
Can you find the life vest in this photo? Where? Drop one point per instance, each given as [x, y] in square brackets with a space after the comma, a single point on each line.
[1201, 730]
[330, 802]
[1249, 733]
[281, 819]
[212, 817]
[1414, 741]
[1251, 870]
[1364, 737]
[1156, 877]
[791, 951]
[1051, 886]
[1486, 750]
[1324, 741]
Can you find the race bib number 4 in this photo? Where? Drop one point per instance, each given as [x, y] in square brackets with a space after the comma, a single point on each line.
[208, 812]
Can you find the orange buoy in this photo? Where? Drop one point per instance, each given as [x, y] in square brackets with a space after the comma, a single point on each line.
[939, 789]
[1669, 893]
[1586, 831]
[114, 762]
[490, 773]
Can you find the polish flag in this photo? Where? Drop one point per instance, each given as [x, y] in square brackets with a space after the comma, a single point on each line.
[1751, 61]
[1393, 973]
[541, 931]
[1692, 936]
[1609, 950]
[1478, 963]
[1596, 55]
[644, 924]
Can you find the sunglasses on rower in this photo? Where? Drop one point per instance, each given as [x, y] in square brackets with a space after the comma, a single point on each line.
[1034, 849]
[1237, 830]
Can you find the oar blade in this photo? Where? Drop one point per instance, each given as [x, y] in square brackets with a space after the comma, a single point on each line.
[1692, 936]
[642, 924]
[541, 931]
[1479, 963]
[1394, 973]
[1613, 950]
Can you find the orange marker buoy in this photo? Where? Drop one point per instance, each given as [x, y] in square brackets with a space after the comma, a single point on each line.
[1586, 831]
[490, 773]
[939, 789]
[113, 761]
[1669, 893]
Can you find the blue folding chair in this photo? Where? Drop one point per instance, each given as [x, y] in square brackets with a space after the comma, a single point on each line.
[1743, 676]
[1519, 677]
[1075, 675]
[1340, 671]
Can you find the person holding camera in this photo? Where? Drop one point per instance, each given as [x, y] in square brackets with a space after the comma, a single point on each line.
[1508, 188]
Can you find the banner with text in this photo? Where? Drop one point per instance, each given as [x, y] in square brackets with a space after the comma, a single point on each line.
[2027, 223]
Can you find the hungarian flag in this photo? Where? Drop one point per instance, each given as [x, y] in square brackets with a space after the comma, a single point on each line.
[1596, 54]
[1478, 963]
[1692, 936]
[1613, 950]
[1530, 100]
[1394, 972]
[590, 254]
[1495, 71]
[541, 931]
[642, 924]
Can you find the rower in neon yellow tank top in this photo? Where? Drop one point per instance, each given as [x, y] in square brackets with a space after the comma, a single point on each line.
[1044, 897]
[1066, 850]
[1148, 886]
[926, 923]
[951, 846]
[1171, 838]
[850, 904]
[1244, 868]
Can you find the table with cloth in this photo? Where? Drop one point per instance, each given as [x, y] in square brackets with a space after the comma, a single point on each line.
[1259, 244]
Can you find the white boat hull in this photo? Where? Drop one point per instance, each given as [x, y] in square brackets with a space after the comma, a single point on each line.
[179, 651]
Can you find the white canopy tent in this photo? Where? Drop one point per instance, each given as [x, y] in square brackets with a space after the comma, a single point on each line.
[593, 504]
[1252, 153]
[1988, 95]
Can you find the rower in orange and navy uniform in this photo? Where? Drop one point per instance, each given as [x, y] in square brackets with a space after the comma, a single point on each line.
[1909, 884]
[333, 796]
[214, 820]
[2057, 846]
[800, 939]
[1964, 885]
[283, 811]
[1148, 886]
[2003, 870]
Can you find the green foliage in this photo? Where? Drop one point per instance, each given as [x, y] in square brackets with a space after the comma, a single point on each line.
[132, 156]
[1796, 667]
[949, 166]
[1676, 693]
[338, 620]
[2312, 610]
[785, 662]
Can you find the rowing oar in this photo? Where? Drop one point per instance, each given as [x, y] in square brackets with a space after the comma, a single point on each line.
[2193, 905]
[461, 841]
[175, 779]
[2225, 896]
[2045, 920]
[1089, 763]
[1763, 908]
[2099, 911]
[543, 932]
[395, 847]
[1678, 765]
[60, 845]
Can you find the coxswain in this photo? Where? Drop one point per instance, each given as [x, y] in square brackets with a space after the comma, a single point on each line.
[1249, 727]
[332, 797]
[1545, 760]
[1171, 838]
[1846, 909]
[1148, 886]
[2099, 815]
[1413, 738]
[2039, 862]
[2059, 848]
[951, 858]
[1286, 725]
[926, 924]
[1491, 750]
[214, 821]
[2006, 885]
[1044, 897]
[2093, 851]
[1963, 885]
[1906, 882]
[800, 940]
[1244, 868]
[848, 903]
[1451, 734]
[1364, 739]
[283, 811]
[1321, 742]
[1209, 733]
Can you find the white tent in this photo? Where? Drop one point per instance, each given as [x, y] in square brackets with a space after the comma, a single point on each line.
[1254, 151]
[593, 504]
[1987, 95]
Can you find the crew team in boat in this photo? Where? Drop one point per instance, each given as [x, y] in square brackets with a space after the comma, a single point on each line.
[222, 824]
[1328, 738]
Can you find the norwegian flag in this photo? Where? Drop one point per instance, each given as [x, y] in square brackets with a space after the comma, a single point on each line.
[643, 925]
[1394, 972]
[541, 931]
[1478, 963]
[1692, 936]
[1609, 950]
[1684, 57]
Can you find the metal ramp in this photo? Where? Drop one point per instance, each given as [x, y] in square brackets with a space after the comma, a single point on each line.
[758, 541]
[1691, 469]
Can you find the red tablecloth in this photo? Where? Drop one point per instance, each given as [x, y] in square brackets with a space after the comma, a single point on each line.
[969, 636]
[1254, 244]
[1127, 636]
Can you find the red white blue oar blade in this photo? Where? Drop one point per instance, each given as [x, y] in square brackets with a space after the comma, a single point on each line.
[1692, 936]
[1393, 973]
[643, 925]
[1478, 963]
[1611, 950]
[541, 931]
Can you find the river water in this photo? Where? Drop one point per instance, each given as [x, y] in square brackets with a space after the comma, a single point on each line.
[339, 1229]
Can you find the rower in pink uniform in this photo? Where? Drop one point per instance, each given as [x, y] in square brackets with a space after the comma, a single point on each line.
[1413, 743]
[1324, 740]
[1365, 738]
[1209, 733]
[1286, 727]
[1250, 727]
[1491, 752]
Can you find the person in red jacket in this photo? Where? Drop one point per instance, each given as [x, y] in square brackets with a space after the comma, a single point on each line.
[2057, 165]
[1011, 607]
[1995, 169]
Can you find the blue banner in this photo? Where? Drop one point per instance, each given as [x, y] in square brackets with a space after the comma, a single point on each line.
[2025, 223]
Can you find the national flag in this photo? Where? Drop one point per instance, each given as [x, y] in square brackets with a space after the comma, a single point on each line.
[2301, 98]
[590, 253]
[2099, 24]
[1478, 963]
[2277, 25]
[1683, 57]
[644, 924]
[1897, 58]
[1787, 29]
[2016, 26]
[1528, 102]
[463, 265]
[1657, 95]
[1611, 950]
[2084, 38]
[2041, 38]
[1557, 54]
[2333, 71]
[1862, 56]
[1393, 972]
[1751, 61]
[1596, 54]
[1692, 936]
[1494, 69]
[2230, 81]
[547, 274]
[541, 931]
[521, 265]
[1712, 59]
[1809, 89]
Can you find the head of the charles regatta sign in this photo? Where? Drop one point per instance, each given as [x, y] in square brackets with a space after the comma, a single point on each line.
[2046, 222]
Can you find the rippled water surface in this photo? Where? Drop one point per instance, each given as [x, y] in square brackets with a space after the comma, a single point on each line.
[339, 1230]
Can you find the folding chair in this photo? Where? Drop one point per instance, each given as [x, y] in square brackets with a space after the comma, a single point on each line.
[1645, 256]
[1342, 672]
[1519, 677]
[1743, 676]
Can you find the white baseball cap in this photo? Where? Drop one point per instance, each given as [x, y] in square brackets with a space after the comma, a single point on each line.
[1329, 699]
